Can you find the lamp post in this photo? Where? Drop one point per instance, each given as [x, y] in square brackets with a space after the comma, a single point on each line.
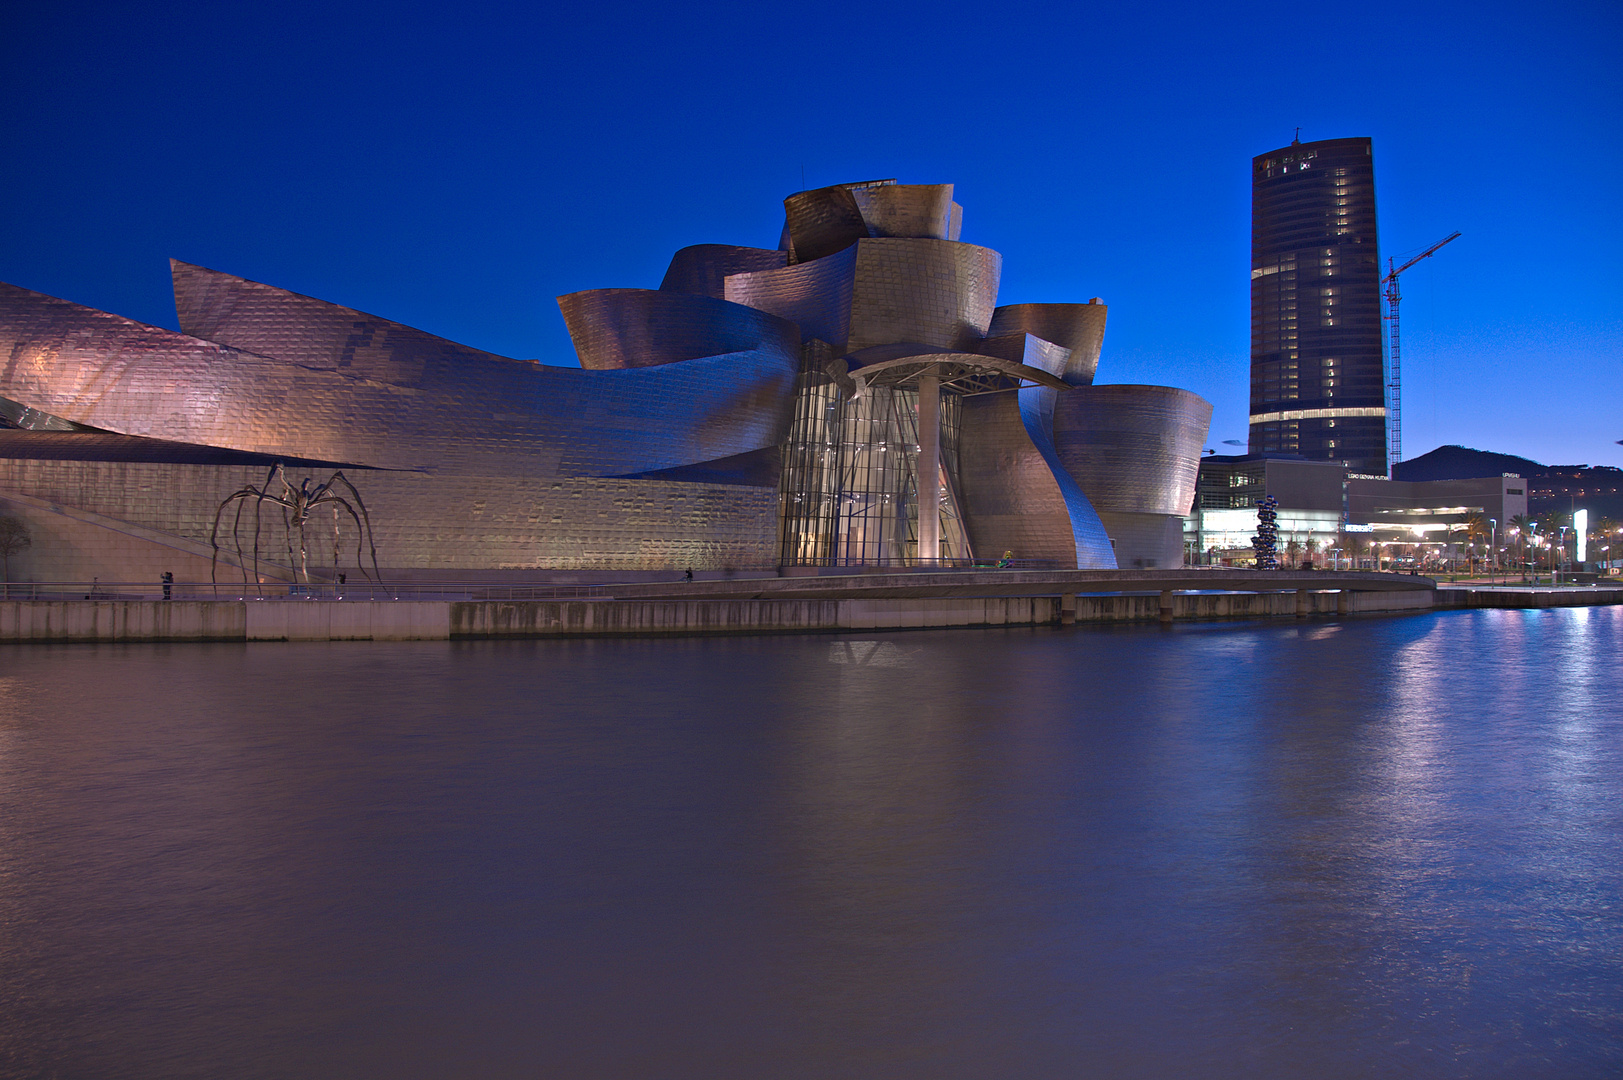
[1493, 546]
[1555, 577]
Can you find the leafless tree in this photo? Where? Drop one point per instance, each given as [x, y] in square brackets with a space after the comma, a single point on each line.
[14, 540]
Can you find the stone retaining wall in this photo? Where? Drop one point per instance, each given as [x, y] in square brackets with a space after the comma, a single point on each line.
[406, 620]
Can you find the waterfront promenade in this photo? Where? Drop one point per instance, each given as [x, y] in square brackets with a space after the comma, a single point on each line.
[868, 601]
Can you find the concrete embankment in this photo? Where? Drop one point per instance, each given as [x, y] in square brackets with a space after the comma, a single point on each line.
[405, 620]
[760, 607]
[1500, 596]
[222, 620]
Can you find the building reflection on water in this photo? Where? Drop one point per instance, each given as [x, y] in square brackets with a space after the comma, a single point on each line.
[1281, 848]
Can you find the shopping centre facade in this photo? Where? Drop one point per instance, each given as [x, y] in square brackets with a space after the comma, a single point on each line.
[853, 397]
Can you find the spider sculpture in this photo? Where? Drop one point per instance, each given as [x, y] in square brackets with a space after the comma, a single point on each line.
[297, 504]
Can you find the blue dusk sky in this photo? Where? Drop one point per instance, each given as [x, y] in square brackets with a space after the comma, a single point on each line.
[457, 167]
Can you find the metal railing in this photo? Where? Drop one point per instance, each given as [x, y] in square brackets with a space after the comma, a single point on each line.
[97, 589]
[940, 564]
[284, 591]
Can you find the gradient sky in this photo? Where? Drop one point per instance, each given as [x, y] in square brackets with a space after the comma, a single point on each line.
[456, 168]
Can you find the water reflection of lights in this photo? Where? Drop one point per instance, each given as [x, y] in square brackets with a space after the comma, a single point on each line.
[1419, 669]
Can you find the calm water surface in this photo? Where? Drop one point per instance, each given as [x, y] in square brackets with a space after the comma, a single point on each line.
[1374, 847]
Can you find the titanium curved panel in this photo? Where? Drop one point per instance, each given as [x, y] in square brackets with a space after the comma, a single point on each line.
[815, 295]
[822, 222]
[703, 268]
[260, 318]
[931, 291]
[1093, 547]
[907, 210]
[1028, 349]
[1133, 449]
[494, 418]
[1145, 540]
[1011, 499]
[635, 328]
[1077, 327]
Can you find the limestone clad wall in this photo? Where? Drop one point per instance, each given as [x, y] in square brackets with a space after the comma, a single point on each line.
[430, 523]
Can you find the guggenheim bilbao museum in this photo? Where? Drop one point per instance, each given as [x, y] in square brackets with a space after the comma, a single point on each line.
[853, 397]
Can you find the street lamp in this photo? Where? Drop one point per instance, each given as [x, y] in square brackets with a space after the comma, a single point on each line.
[1493, 545]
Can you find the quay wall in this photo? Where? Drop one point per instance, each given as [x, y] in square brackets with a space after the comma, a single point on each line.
[423, 620]
[404, 620]
[1499, 597]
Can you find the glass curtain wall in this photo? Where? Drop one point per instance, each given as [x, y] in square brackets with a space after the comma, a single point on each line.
[808, 497]
[849, 495]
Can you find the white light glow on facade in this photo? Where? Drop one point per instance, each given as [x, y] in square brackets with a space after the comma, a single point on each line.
[1315, 414]
[1580, 525]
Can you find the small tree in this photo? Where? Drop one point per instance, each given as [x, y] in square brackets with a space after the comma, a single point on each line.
[1522, 524]
[1355, 544]
[14, 540]
[1605, 537]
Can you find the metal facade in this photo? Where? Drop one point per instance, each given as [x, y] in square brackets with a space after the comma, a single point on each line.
[893, 307]
[906, 210]
[703, 269]
[1133, 448]
[1317, 386]
[935, 292]
[815, 295]
[762, 407]
[1078, 328]
[1011, 499]
[495, 418]
[633, 328]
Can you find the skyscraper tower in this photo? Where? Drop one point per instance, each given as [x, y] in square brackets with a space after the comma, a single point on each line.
[1316, 346]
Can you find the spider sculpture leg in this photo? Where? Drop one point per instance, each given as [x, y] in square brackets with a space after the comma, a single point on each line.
[214, 534]
[340, 478]
[337, 502]
[236, 536]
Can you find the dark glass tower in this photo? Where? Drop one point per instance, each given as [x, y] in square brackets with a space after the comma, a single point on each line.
[1317, 387]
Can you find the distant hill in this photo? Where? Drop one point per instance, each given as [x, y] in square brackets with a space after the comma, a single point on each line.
[1554, 489]
[1463, 463]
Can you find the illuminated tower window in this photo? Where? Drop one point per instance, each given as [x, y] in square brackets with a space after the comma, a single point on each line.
[1313, 247]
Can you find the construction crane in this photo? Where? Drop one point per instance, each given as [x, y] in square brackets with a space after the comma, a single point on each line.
[1394, 388]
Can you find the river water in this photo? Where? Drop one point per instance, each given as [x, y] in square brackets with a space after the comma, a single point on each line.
[1367, 847]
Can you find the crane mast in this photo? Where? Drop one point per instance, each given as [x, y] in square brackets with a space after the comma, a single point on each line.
[1394, 387]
